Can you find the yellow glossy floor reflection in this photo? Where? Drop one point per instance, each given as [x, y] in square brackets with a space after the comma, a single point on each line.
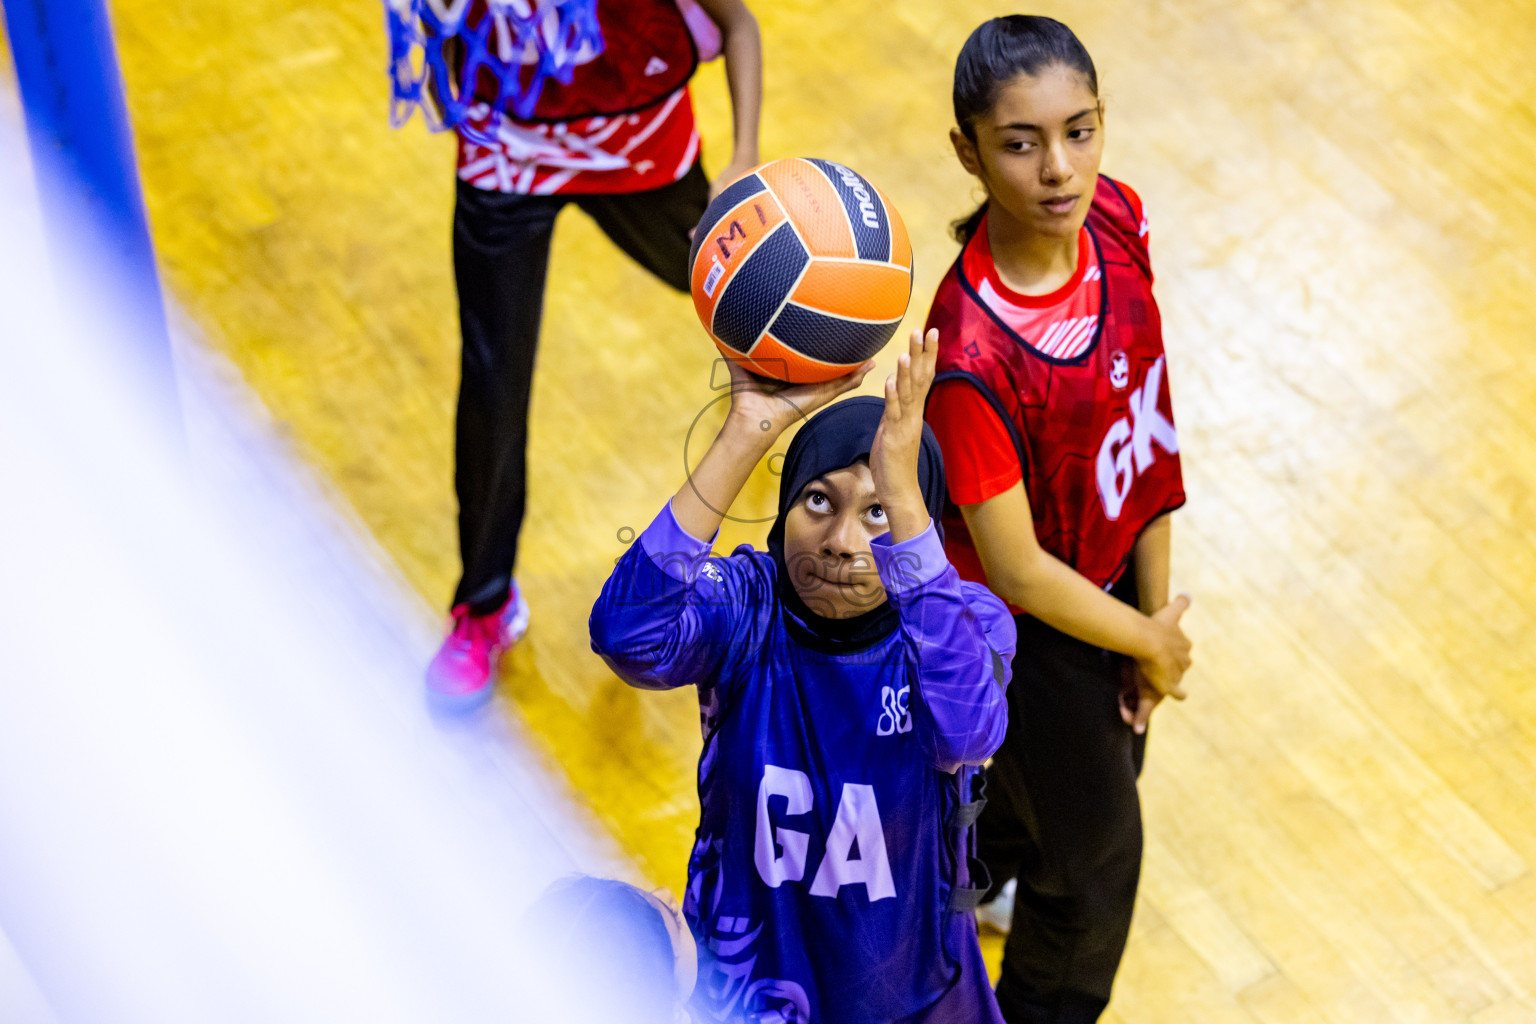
[1343, 209]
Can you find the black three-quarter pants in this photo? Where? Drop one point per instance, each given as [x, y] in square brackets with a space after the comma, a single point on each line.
[500, 260]
[1064, 817]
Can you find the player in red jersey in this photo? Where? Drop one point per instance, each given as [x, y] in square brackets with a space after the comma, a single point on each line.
[611, 130]
[1053, 414]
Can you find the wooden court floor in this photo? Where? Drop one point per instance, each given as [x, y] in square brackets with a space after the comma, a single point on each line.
[1342, 818]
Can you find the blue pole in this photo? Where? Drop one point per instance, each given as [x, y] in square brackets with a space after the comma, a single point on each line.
[83, 160]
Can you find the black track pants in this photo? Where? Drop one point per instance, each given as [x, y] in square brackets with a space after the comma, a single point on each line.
[500, 259]
[1064, 817]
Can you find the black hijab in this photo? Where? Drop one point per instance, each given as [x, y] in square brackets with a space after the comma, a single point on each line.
[837, 437]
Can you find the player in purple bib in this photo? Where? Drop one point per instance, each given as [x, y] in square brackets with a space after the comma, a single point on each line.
[849, 683]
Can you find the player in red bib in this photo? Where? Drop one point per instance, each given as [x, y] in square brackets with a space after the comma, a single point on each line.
[1053, 414]
[576, 101]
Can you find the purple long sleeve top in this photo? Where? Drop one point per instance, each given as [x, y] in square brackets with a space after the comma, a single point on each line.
[835, 788]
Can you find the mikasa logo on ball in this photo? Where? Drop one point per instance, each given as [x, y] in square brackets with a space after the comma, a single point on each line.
[866, 201]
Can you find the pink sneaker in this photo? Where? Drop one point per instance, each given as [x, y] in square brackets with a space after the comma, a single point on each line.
[462, 674]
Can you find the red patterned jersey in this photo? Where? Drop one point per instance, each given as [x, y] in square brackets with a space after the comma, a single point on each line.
[1062, 324]
[1087, 417]
[624, 123]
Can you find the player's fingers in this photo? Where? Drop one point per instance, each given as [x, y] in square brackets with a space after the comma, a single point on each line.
[922, 383]
[849, 381]
[1165, 679]
[922, 373]
[891, 419]
[1180, 605]
[916, 356]
[803, 399]
[1144, 707]
[904, 367]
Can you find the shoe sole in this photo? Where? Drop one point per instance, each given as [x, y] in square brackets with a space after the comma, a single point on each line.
[458, 703]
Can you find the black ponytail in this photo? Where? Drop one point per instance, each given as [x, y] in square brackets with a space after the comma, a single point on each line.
[966, 227]
[996, 53]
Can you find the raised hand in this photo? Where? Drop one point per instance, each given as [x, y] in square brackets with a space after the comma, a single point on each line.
[756, 401]
[761, 410]
[893, 459]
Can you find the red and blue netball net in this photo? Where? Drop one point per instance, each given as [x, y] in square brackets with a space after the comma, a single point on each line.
[438, 50]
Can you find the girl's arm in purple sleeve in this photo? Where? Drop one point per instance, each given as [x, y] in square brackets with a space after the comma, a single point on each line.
[669, 614]
[961, 640]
